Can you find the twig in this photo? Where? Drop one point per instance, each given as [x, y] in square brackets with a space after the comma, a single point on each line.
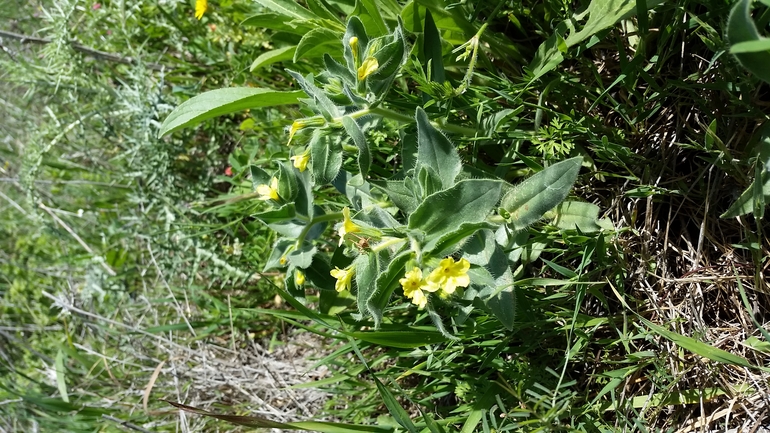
[24, 39]
[126, 424]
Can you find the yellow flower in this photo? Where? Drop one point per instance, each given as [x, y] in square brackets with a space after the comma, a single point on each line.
[348, 226]
[295, 126]
[414, 284]
[300, 124]
[299, 277]
[301, 160]
[344, 278]
[200, 8]
[367, 68]
[450, 274]
[269, 192]
[353, 42]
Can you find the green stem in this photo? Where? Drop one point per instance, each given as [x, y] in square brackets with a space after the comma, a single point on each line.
[385, 244]
[319, 219]
[403, 118]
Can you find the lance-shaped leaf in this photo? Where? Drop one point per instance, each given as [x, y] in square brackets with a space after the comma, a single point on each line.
[273, 56]
[757, 194]
[431, 50]
[339, 70]
[371, 17]
[401, 195]
[571, 215]
[450, 242]
[355, 132]
[322, 102]
[283, 213]
[303, 257]
[326, 155]
[435, 151]
[366, 273]
[318, 274]
[408, 338]
[223, 101]
[355, 29]
[528, 201]
[288, 8]
[278, 22]
[742, 30]
[469, 201]
[390, 58]
[259, 177]
[304, 199]
[287, 182]
[385, 284]
[493, 284]
[317, 42]
[277, 257]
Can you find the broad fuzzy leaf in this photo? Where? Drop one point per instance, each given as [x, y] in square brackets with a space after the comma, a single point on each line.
[528, 201]
[355, 29]
[326, 156]
[317, 42]
[288, 8]
[571, 215]
[273, 56]
[223, 101]
[303, 257]
[741, 29]
[371, 17]
[367, 269]
[385, 284]
[435, 151]
[355, 132]
[469, 201]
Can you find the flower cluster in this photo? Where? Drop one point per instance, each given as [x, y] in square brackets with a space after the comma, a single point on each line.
[445, 279]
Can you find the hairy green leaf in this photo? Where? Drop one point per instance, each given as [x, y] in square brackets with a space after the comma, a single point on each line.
[528, 201]
[288, 8]
[741, 29]
[435, 151]
[385, 284]
[326, 155]
[317, 42]
[469, 201]
[223, 101]
[355, 132]
[273, 56]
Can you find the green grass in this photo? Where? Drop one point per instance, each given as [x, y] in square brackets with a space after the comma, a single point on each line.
[122, 253]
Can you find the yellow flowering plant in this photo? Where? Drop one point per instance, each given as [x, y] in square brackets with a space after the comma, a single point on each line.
[415, 227]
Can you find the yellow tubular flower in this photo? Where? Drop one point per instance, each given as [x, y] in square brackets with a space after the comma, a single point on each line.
[200, 8]
[300, 161]
[353, 42]
[369, 66]
[295, 126]
[348, 226]
[299, 277]
[413, 284]
[344, 278]
[269, 192]
[450, 274]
